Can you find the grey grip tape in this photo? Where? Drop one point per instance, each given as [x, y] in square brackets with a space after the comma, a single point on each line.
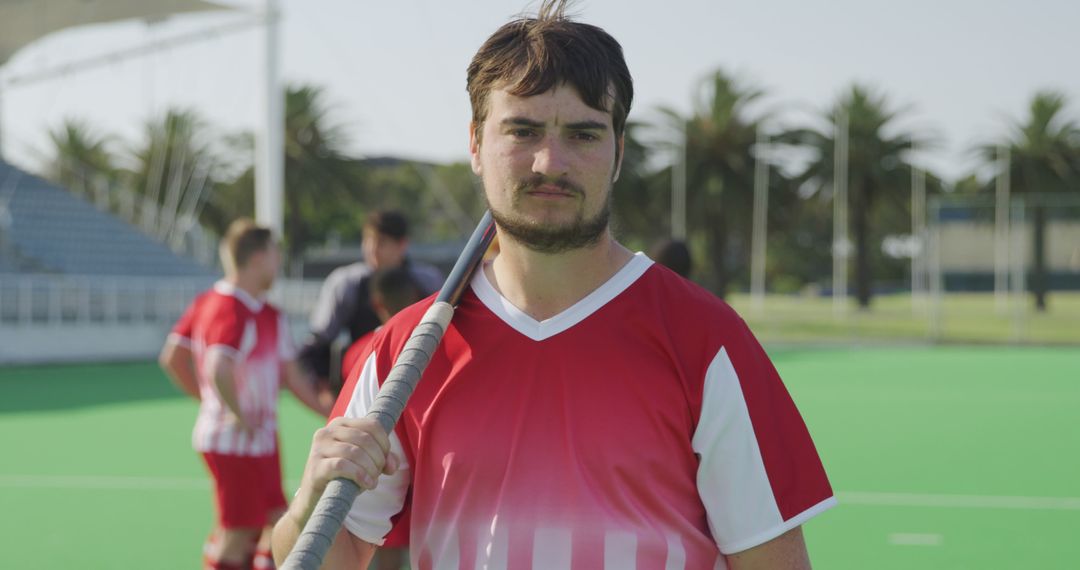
[329, 514]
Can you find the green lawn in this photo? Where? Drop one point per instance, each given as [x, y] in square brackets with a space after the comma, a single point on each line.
[943, 457]
[960, 318]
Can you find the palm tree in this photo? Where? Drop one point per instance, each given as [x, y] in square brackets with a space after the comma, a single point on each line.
[81, 160]
[173, 170]
[323, 186]
[320, 180]
[878, 173]
[1044, 158]
[720, 135]
[639, 192]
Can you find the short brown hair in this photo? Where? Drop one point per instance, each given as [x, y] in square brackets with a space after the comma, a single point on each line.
[243, 239]
[397, 287]
[389, 223]
[531, 56]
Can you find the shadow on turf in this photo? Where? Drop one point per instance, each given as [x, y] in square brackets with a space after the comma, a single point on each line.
[41, 388]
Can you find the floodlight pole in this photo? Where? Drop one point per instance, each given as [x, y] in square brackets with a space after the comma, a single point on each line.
[1001, 231]
[936, 277]
[918, 237]
[759, 232]
[840, 214]
[270, 137]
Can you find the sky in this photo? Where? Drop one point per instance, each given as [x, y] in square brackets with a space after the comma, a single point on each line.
[394, 72]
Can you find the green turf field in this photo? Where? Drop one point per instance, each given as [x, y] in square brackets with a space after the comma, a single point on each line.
[942, 458]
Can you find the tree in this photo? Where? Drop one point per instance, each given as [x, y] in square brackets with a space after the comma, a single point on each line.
[640, 193]
[173, 172]
[81, 160]
[879, 175]
[1044, 152]
[720, 135]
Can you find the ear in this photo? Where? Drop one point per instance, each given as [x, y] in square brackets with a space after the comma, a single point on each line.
[474, 147]
[619, 146]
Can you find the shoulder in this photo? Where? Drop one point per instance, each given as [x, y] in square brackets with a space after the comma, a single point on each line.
[677, 297]
[348, 274]
[272, 310]
[427, 276]
[397, 330]
[215, 304]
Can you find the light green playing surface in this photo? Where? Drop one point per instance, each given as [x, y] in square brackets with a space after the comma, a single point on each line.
[941, 457]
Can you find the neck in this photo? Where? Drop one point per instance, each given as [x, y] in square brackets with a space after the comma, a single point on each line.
[246, 283]
[543, 285]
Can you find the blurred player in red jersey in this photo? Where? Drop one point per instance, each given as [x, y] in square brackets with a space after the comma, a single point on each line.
[392, 290]
[231, 350]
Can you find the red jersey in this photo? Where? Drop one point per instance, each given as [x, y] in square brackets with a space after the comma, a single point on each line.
[642, 427]
[254, 334]
[353, 353]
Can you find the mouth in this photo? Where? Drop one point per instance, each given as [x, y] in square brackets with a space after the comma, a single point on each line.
[550, 191]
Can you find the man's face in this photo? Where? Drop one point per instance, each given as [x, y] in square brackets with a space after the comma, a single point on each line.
[548, 163]
[382, 251]
[267, 263]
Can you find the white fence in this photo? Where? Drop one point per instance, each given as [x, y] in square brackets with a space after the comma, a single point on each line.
[46, 318]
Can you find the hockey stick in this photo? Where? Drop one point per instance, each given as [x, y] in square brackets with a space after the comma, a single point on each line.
[325, 522]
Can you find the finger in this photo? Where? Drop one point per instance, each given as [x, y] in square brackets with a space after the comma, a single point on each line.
[392, 464]
[371, 439]
[352, 428]
[362, 463]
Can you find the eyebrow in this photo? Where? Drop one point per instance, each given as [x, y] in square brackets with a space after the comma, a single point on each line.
[587, 126]
[520, 122]
[578, 126]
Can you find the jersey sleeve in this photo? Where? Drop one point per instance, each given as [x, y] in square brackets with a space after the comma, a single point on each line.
[759, 473]
[370, 518]
[183, 329]
[226, 331]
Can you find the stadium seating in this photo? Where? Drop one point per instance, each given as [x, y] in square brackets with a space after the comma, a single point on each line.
[50, 230]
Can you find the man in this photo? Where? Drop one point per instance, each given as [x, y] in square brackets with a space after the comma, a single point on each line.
[391, 291]
[343, 304]
[586, 409]
[229, 350]
[675, 255]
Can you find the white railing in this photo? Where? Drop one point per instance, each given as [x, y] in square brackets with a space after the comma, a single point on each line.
[64, 300]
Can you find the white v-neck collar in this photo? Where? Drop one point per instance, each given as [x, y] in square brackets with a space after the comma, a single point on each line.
[225, 288]
[541, 330]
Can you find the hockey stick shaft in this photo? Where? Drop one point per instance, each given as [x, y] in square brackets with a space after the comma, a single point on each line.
[329, 514]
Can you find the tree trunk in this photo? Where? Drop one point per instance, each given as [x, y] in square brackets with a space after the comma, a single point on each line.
[1038, 269]
[861, 228]
[717, 236]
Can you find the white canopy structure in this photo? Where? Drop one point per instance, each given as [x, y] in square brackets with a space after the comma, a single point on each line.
[24, 21]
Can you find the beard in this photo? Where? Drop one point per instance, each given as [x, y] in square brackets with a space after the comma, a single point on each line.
[536, 236]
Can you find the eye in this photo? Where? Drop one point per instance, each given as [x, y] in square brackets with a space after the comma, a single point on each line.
[522, 133]
[585, 136]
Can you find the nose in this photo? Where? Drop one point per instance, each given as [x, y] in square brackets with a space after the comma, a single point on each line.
[551, 158]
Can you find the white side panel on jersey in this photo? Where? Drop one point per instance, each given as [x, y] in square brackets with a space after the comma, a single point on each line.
[369, 518]
[731, 480]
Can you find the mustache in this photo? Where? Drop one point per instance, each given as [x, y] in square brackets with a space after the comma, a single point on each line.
[536, 181]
